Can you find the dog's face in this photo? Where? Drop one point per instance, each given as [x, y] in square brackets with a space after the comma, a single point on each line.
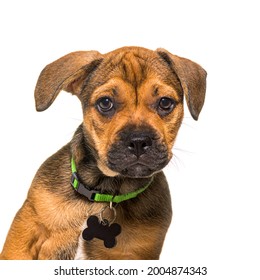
[134, 114]
[132, 101]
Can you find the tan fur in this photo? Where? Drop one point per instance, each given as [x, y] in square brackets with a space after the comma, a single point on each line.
[49, 224]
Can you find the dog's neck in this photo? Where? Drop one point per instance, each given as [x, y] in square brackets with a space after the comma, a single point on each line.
[89, 173]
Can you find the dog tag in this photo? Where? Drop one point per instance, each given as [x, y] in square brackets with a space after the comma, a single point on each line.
[101, 230]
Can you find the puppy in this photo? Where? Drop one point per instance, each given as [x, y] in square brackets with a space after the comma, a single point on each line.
[108, 181]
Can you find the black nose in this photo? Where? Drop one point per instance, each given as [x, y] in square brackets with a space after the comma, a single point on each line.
[138, 144]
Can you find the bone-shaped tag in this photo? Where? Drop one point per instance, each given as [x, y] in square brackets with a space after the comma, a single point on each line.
[101, 230]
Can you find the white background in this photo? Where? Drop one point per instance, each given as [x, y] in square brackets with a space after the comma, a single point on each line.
[214, 178]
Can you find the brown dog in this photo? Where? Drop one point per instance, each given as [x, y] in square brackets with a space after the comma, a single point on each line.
[132, 100]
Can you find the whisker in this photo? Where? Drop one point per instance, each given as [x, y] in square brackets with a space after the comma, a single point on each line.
[176, 162]
[187, 125]
[182, 150]
[75, 119]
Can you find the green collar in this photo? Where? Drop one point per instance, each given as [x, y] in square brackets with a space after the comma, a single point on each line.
[95, 196]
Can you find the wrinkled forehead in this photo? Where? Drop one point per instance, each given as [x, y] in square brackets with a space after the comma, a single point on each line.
[134, 68]
[135, 65]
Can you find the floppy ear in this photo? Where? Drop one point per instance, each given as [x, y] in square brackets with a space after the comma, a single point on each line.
[67, 73]
[192, 78]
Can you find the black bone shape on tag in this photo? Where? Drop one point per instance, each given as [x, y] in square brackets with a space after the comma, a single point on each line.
[101, 230]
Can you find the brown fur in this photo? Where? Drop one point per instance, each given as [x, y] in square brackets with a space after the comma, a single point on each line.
[50, 222]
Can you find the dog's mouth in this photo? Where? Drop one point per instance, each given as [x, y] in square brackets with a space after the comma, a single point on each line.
[138, 171]
[126, 163]
[137, 168]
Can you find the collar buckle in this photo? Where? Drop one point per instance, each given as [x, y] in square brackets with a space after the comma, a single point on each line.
[81, 189]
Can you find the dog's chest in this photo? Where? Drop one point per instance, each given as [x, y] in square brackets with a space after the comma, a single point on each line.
[133, 242]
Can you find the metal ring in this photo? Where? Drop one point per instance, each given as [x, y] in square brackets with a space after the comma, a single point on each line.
[111, 208]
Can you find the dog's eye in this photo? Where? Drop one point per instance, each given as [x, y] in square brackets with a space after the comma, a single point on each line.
[166, 104]
[105, 104]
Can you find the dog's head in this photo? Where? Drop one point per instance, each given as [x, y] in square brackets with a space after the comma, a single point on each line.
[132, 100]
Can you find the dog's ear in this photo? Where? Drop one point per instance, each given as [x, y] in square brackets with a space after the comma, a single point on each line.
[67, 73]
[192, 78]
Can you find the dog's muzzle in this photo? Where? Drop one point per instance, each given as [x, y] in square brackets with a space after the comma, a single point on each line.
[138, 153]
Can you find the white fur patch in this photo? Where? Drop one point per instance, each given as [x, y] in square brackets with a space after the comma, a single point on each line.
[80, 254]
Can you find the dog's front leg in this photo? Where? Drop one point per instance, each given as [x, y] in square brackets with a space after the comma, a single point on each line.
[25, 236]
[61, 245]
[29, 239]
